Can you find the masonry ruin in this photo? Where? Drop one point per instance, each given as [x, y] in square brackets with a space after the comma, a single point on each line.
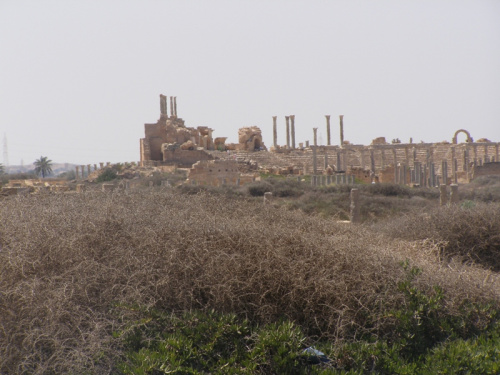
[170, 142]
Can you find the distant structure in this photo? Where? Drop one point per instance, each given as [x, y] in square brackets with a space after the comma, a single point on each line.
[170, 142]
[5, 151]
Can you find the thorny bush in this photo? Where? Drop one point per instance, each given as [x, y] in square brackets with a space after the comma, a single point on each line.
[68, 260]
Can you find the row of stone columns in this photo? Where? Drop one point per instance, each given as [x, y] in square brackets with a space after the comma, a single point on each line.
[80, 169]
[421, 174]
[412, 163]
[290, 132]
[328, 132]
[340, 162]
[443, 194]
[163, 106]
[338, 179]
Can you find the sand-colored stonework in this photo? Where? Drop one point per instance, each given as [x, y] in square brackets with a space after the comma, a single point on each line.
[169, 141]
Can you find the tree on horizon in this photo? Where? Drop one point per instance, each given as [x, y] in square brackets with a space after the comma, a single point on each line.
[43, 166]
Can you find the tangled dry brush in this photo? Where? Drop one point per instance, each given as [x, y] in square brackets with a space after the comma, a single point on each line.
[73, 267]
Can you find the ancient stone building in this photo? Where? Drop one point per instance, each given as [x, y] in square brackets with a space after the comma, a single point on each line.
[169, 141]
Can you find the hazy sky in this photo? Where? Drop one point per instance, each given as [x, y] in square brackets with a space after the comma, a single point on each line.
[78, 79]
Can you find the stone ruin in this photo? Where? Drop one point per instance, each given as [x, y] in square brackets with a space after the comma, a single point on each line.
[170, 142]
[23, 187]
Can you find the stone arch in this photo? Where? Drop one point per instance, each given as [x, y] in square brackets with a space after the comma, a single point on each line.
[256, 143]
[469, 138]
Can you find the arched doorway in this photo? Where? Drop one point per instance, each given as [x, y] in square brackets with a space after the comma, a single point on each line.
[468, 140]
[256, 144]
[155, 147]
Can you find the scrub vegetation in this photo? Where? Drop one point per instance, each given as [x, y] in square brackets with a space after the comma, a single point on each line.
[195, 280]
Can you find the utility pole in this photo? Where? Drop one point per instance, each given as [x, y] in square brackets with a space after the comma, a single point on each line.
[5, 151]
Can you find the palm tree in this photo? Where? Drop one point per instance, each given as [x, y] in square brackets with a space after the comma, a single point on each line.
[43, 166]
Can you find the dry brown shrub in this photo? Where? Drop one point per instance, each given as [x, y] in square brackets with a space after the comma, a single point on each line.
[470, 231]
[73, 266]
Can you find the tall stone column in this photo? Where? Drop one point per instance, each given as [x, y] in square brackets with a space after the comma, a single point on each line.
[292, 120]
[328, 136]
[163, 105]
[395, 162]
[444, 172]
[355, 209]
[455, 171]
[287, 118]
[172, 106]
[275, 133]
[175, 106]
[362, 159]
[341, 117]
[315, 165]
[315, 131]
[326, 160]
[76, 172]
[210, 139]
[418, 173]
[339, 162]
[88, 169]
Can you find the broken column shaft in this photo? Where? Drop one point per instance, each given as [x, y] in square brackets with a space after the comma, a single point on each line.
[275, 133]
[287, 118]
[341, 117]
[355, 208]
[328, 138]
[163, 105]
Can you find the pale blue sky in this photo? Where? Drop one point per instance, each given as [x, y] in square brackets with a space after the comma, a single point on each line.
[78, 79]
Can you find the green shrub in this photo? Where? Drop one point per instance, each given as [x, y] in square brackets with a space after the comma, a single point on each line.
[388, 190]
[67, 264]
[200, 343]
[257, 189]
[107, 175]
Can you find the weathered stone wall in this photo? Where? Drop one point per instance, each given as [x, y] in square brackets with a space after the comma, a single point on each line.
[185, 158]
[214, 172]
[169, 141]
[381, 159]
